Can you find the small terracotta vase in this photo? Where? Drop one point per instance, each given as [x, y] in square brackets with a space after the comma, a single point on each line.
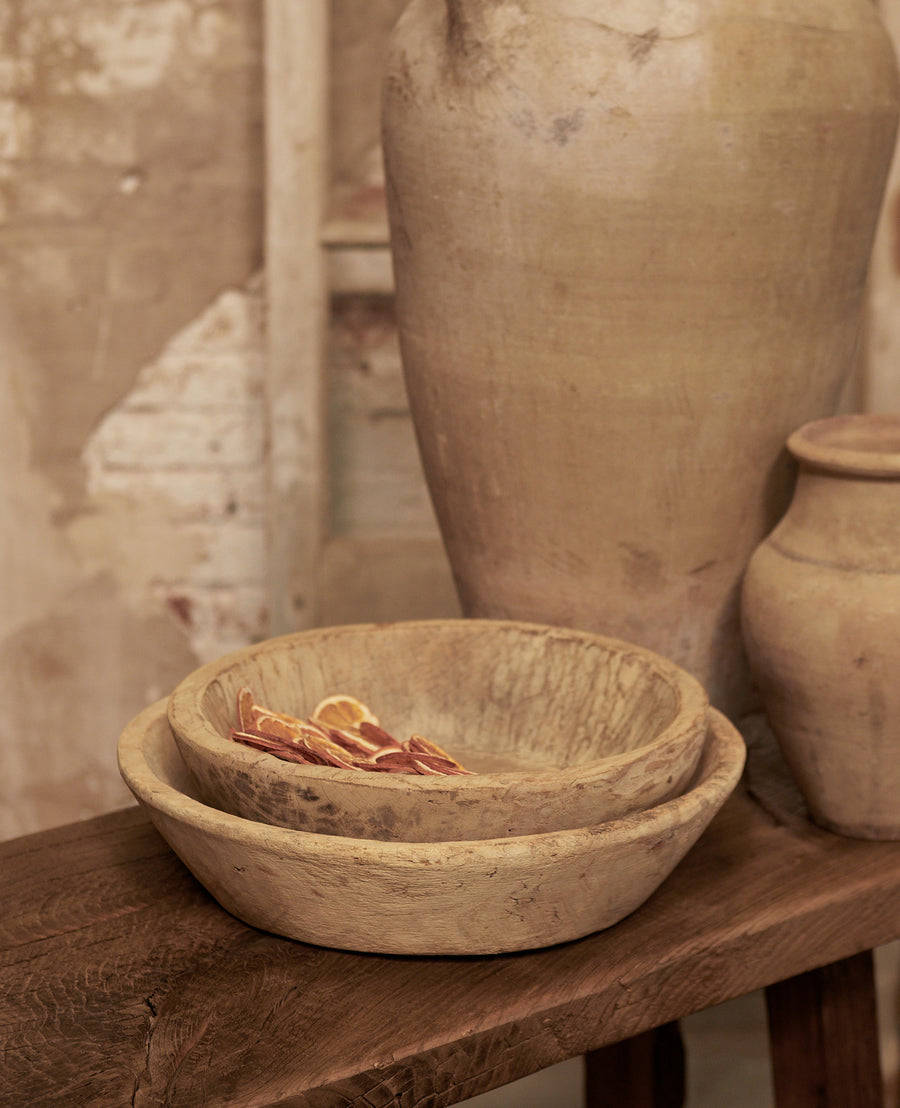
[821, 624]
[630, 242]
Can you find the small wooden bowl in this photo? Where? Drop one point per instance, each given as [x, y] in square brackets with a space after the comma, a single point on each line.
[563, 729]
[480, 897]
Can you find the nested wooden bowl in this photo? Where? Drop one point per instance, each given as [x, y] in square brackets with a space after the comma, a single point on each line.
[478, 897]
[563, 729]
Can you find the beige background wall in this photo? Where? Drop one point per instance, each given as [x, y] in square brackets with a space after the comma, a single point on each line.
[131, 193]
[135, 486]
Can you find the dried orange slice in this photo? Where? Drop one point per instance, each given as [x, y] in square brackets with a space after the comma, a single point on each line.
[418, 744]
[245, 707]
[343, 712]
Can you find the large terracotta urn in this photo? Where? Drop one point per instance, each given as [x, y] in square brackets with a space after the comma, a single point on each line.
[630, 239]
[821, 615]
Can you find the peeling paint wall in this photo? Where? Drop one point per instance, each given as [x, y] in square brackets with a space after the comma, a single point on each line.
[176, 479]
[131, 187]
[133, 490]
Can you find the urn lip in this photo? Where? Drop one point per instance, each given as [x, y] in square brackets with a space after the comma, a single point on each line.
[865, 444]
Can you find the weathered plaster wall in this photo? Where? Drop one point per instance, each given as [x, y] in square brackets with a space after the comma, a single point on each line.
[130, 228]
[133, 486]
[383, 557]
[176, 480]
[359, 33]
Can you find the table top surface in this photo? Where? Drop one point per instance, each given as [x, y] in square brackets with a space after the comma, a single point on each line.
[123, 982]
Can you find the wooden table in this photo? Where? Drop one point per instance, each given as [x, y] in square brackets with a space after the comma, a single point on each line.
[123, 983]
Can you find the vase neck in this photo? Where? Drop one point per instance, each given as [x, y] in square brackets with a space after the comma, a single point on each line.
[843, 519]
[467, 21]
[475, 30]
[860, 445]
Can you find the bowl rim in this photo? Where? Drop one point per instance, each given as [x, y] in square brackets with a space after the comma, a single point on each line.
[689, 725]
[720, 768]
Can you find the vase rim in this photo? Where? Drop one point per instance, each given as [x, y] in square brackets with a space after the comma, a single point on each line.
[863, 443]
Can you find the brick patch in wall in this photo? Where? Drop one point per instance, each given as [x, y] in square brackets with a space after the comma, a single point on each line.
[182, 457]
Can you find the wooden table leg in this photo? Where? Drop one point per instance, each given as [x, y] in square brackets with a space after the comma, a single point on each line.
[823, 1032]
[647, 1071]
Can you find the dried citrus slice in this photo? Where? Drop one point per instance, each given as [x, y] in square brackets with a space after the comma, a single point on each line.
[342, 711]
[277, 726]
[245, 706]
[418, 744]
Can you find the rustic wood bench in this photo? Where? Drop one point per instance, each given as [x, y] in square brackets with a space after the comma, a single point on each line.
[123, 983]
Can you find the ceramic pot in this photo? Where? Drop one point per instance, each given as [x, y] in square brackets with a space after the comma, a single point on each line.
[630, 241]
[821, 619]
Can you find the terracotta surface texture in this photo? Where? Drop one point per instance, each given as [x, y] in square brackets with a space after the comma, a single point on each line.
[821, 602]
[630, 245]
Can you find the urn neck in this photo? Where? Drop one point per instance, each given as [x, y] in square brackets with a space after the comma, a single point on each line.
[476, 30]
[846, 505]
[467, 22]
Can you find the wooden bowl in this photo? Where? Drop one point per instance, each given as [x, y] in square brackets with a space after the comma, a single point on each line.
[479, 897]
[563, 728]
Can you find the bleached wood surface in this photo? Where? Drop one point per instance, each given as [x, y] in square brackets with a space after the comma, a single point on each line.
[296, 58]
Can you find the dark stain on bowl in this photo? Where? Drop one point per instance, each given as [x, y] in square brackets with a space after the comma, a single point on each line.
[279, 791]
[386, 817]
[243, 783]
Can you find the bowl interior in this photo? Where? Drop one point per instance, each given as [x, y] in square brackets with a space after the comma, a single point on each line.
[498, 696]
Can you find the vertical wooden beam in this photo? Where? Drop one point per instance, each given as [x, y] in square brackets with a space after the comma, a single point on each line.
[296, 87]
[823, 1029]
[647, 1071]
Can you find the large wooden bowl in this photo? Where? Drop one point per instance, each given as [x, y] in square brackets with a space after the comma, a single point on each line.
[478, 897]
[564, 729]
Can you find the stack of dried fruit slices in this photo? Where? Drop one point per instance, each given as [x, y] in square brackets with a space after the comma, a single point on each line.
[341, 732]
